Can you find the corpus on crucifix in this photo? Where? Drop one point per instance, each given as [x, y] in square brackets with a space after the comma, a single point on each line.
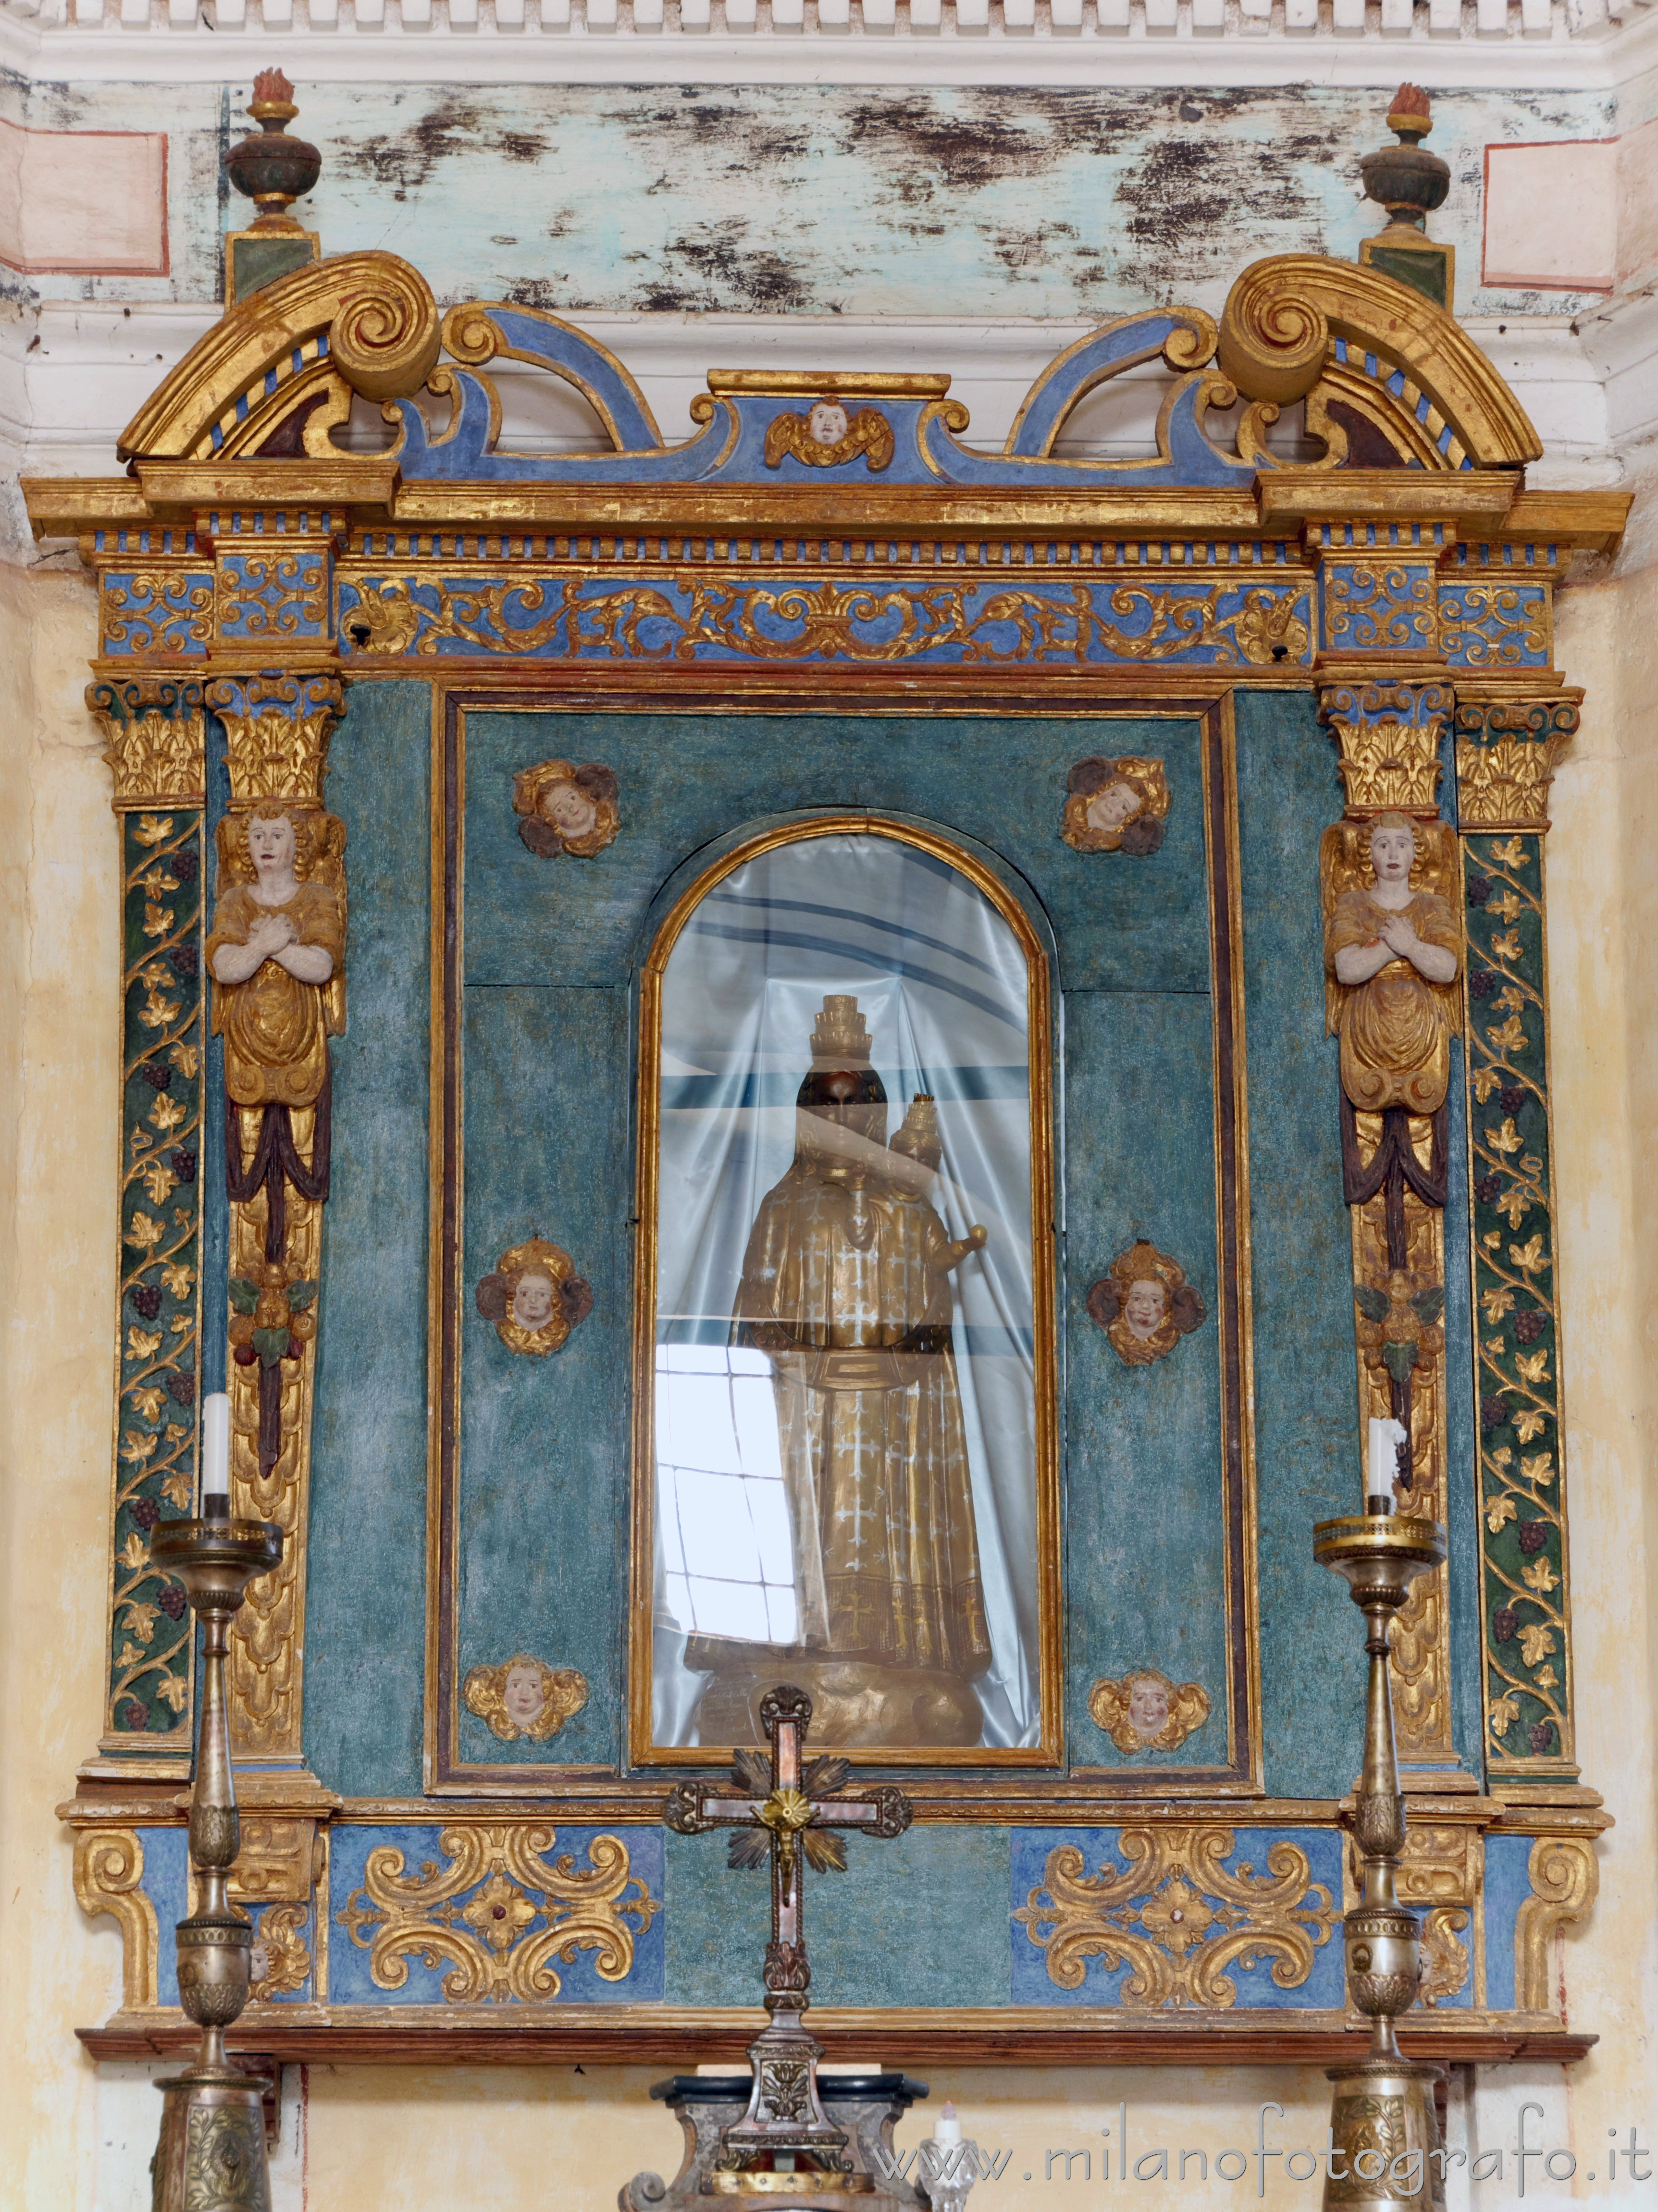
[788, 1811]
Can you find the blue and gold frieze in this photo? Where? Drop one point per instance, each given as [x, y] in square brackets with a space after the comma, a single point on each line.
[152, 613]
[1188, 1914]
[505, 1913]
[688, 617]
[279, 594]
[1494, 622]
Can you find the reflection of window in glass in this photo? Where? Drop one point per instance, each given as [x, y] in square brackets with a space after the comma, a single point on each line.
[725, 1520]
[845, 1375]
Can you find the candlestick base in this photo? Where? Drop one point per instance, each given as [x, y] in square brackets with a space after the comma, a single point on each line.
[1384, 2131]
[212, 2156]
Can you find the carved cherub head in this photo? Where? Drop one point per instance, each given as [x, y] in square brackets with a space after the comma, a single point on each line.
[1145, 1304]
[828, 422]
[524, 1697]
[534, 1296]
[1145, 1711]
[566, 808]
[1115, 805]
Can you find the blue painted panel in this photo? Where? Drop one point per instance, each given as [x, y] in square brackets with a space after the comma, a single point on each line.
[1312, 1671]
[350, 1971]
[364, 1626]
[544, 1442]
[916, 1921]
[1102, 1850]
[1123, 922]
[1145, 1537]
[166, 1885]
[1508, 1885]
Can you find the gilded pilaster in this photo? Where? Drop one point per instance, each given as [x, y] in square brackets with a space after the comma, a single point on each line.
[153, 729]
[1508, 743]
[1388, 733]
[276, 725]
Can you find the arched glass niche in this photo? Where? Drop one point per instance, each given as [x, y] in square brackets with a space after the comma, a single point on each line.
[844, 1456]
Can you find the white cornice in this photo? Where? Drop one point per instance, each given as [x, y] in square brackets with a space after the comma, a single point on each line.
[1452, 44]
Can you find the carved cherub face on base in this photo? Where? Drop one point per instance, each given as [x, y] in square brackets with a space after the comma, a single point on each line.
[535, 1298]
[1145, 1711]
[523, 1696]
[1145, 1304]
[564, 808]
[828, 422]
[1115, 805]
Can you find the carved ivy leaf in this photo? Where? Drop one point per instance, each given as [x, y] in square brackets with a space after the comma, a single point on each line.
[1510, 1037]
[301, 1295]
[154, 828]
[160, 880]
[1399, 1359]
[178, 1489]
[186, 1058]
[1506, 1139]
[1499, 1512]
[158, 1181]
[1528, 1257]
[158, 920]
[1511, 999]
[1514, 1206]
[1546, 1679]
[1536, 1642]
[157, 1012]
[137, 1447]
[1497, 1304]
[244, 1294]
[128, 1655]
[142, 1343]
[271, 1344]
[1506, 908]
[1511, 855]
[140, 1620]
[1506, 947]
[134, 1555]
[1485, 1080]
[166, 1115]
[143, 1233]
[1539, 1468]
[175, 1688]
[148, 1403]
[1370, 1301]
[178, 1277]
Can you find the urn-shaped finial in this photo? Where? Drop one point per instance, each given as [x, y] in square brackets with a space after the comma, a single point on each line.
[273, 169]
[1406, 178]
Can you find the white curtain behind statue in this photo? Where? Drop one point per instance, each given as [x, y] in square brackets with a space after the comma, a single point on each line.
[941, 980]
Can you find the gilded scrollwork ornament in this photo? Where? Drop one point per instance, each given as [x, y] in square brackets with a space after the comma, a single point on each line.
[500, 1914]
[1178, 1917]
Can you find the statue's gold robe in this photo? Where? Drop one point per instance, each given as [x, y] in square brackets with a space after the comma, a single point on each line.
[275, 1028]
[1396, 1029]
[851, 1298]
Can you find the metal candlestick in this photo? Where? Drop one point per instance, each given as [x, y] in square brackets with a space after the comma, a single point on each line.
[1382, 2109]
[211, 2155]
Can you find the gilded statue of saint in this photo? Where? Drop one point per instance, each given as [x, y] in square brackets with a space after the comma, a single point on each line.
[1393, 955]
[277, 952]
[846, 1287]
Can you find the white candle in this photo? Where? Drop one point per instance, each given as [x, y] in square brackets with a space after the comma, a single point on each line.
[947, 2129]
[215, 1447]
[1386, 1437]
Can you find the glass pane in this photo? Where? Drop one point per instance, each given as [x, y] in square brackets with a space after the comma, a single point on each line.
[845, 1488]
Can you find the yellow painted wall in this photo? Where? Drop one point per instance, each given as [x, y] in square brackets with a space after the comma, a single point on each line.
[428, 2141]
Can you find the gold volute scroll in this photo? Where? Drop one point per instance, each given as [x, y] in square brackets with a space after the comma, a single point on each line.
[1564, 1875]
[1283, 314]
[376, 312]
[109, 1873]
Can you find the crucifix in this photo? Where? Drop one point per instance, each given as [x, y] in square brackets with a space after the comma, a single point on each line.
[787, 1811]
